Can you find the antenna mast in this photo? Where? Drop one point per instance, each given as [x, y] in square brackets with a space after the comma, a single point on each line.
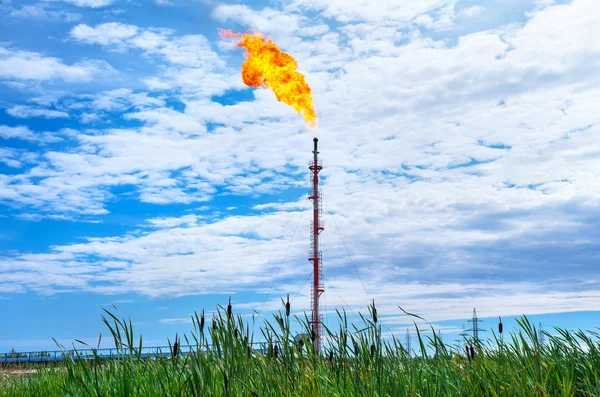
[315, 255]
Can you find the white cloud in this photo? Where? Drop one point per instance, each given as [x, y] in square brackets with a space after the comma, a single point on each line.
[207, 238]
[154, 83]
[430, 71]
[193, 67]
[180, 320]
[442, 20]
[266, 21]
[22, 111]
[190, 50]
[112, 33]
[20, 132]
[24, 133]
[439, 301]
[142, 263]
[544, 3]
[90, 3]
[444, 163]
[25, 65]
[471, 11]
[40, 12]
[91, 107]
[186, 220]
[121, 99]
[281, 206]
[87, 118]
[16, 158]
[399, 11]
[7, 157]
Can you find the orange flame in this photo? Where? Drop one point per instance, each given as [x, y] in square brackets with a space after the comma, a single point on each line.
[267, 65]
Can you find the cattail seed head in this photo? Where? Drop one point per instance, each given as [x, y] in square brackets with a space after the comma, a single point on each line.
[176, 346]
[287, 306]
[229, 311]
[202, 321]
[500, 327]
[235, 333]
[214, 324]
[276, 351]
[374, 312]
[330, 355]
[372, 350]
[301, 343]
[313, 335]
[472, 353]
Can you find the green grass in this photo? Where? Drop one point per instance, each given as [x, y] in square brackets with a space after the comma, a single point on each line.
[356, 361]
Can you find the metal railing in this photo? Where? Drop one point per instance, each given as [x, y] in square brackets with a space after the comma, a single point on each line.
[105, 353]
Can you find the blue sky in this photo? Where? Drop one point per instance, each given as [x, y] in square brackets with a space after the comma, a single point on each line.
[459, 138]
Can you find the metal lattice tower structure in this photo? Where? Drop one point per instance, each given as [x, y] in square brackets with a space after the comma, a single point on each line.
[462, 342]
[407, 342]
[315, 256]
[541, 337]
[475, 328]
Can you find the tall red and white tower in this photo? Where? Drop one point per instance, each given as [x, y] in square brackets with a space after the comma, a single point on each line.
[315, 256]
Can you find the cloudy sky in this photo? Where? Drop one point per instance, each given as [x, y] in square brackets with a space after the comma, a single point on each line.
[460, 142]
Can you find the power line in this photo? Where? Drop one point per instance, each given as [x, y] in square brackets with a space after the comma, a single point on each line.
[347, 251]
[325, 305]
[350, 308]
[283, 259]
[351, 261]
[337, 293]
[303, 284]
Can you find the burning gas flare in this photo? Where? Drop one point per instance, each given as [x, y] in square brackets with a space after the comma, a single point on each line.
[267, 65]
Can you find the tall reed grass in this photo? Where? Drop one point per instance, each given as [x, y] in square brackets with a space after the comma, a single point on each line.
[355, 361]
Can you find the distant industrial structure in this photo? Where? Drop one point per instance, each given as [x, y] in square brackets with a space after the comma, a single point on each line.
[541, 337]
[475, 327]
[315, 256]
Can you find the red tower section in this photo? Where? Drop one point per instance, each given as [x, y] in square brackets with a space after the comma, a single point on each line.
[315, 255]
